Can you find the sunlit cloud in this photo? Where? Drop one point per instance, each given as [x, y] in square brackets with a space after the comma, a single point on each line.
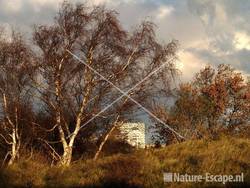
[164, 11]
[189, 64]
[242, 41]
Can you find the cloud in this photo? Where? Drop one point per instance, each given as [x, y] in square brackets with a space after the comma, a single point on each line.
[189, 64]
[242, 41]
[172, 19]
[209, 31]
[11, 6]
[164, 11]
[227, 29]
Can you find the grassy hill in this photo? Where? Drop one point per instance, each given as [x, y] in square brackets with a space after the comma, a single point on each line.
[143, 168]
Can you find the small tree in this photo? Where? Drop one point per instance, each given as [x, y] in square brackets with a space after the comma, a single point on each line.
[224, 96]
[214, 100]
[15, 73]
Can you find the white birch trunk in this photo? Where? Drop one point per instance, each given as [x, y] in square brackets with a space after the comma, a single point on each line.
[15, 147]
[15, 138]
[68, 146]
[67, 156]
[106, 138]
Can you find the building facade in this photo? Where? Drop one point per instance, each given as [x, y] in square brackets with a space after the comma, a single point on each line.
[134, 134]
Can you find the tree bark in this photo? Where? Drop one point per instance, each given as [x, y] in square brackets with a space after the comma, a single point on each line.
[15, 147]
[15, 138]
[67, 156]
[68, 145]
[105, 139]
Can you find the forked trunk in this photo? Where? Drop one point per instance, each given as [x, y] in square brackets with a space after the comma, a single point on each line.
[67, 156]
[15, 146]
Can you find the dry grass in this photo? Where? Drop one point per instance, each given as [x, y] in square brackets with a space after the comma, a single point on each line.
[142, 168]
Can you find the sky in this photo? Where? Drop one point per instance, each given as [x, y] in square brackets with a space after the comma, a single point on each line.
[210, 32]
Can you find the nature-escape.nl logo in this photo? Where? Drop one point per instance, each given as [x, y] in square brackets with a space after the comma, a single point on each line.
[208, 177]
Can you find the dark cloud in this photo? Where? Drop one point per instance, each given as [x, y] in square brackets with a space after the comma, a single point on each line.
[223, 21]
[238, 59]
[206, 29]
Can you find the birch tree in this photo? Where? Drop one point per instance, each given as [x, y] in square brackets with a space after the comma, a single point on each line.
[72, 92]
[15, 73]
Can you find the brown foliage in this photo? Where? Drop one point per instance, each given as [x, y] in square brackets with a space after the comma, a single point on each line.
[215, 101]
